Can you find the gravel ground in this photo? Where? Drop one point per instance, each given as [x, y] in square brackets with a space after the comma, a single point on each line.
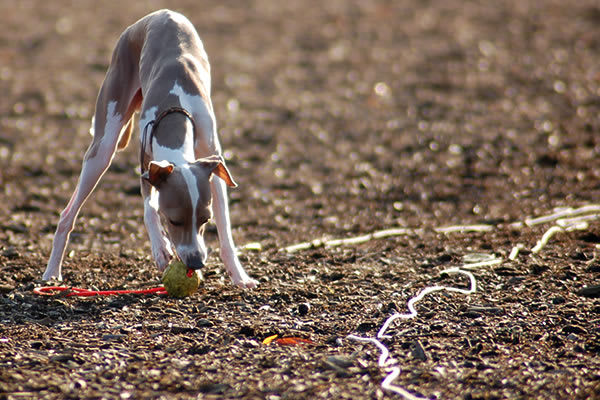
[338, 119]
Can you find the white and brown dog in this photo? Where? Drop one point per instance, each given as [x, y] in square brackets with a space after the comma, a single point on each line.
[159, 64]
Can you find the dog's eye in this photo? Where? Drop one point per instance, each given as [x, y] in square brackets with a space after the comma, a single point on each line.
[175, 223]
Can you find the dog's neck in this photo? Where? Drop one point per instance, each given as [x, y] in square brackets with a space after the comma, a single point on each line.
[170, 137]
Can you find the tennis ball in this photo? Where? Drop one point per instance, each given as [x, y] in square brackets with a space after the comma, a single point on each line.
[179, 280]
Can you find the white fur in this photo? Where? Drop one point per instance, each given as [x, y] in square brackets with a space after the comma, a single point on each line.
[204, 117]
[113, 119]
[192, 185]
[161, 245]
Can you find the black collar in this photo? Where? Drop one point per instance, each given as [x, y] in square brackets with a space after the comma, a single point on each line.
[154, 123]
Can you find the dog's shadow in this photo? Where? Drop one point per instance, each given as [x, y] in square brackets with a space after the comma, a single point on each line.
[23, 306]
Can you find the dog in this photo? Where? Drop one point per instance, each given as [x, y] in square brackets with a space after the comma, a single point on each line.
[160, 68]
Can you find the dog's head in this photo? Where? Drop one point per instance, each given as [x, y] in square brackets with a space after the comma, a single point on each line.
[184, 201]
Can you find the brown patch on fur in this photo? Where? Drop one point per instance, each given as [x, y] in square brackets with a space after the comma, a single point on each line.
[159, 172]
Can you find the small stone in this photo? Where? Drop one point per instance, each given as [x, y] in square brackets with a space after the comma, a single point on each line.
[303, 308]
[213, 388]
[472, 314]
[62, 358]
[486, 310]
[418, 351]
[334, 341]
[247, 331]
[339, 364]
[573, 329]
[203, 323]
[78, 384]
[250, 344]
[341, 361]
[10, 252]
[177, 330]
[113, 338]
[590, 291]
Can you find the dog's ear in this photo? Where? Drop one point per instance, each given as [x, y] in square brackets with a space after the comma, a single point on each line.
[216, 165]
[158, 172]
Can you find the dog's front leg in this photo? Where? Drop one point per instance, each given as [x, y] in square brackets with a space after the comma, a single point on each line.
[161, 245]
[221, 215]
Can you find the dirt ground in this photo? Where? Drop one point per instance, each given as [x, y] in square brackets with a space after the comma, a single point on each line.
[338, 119]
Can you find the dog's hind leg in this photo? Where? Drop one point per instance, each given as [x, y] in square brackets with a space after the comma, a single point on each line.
[116, 103]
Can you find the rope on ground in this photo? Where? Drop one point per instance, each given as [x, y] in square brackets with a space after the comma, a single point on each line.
[565, 220]
[389, 364]
[64, 291]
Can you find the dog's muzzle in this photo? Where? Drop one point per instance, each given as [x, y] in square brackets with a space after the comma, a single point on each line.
[194, 262]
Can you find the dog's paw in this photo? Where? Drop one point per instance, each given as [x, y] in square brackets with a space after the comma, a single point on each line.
[236, 272]
[51, 275]
[162, 260]
[162, 254]
[246, 283]
[240, 278]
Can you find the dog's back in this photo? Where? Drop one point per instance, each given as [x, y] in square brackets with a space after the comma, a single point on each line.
[170, 48]
[156, 53]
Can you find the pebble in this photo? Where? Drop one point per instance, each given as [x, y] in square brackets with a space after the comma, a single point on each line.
[78, 384]
[112, 337]
[303, 308]
[176, 329]
[250, 344]
[418, 351]
[558, 300]
[471, 314]
[590, 291]
[341, 361]
[213, 388]
[10, 252]
[62, 358]
[340, 364]
[573, 329]
[203, 323]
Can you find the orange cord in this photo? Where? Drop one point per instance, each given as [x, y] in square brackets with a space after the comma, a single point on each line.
[64, 291]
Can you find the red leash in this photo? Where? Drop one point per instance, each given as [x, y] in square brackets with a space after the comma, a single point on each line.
[63, 291]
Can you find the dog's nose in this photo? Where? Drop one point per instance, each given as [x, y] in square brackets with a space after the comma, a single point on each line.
[195, 262]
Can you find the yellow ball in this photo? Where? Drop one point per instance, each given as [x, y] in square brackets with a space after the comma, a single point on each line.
[179, 280]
